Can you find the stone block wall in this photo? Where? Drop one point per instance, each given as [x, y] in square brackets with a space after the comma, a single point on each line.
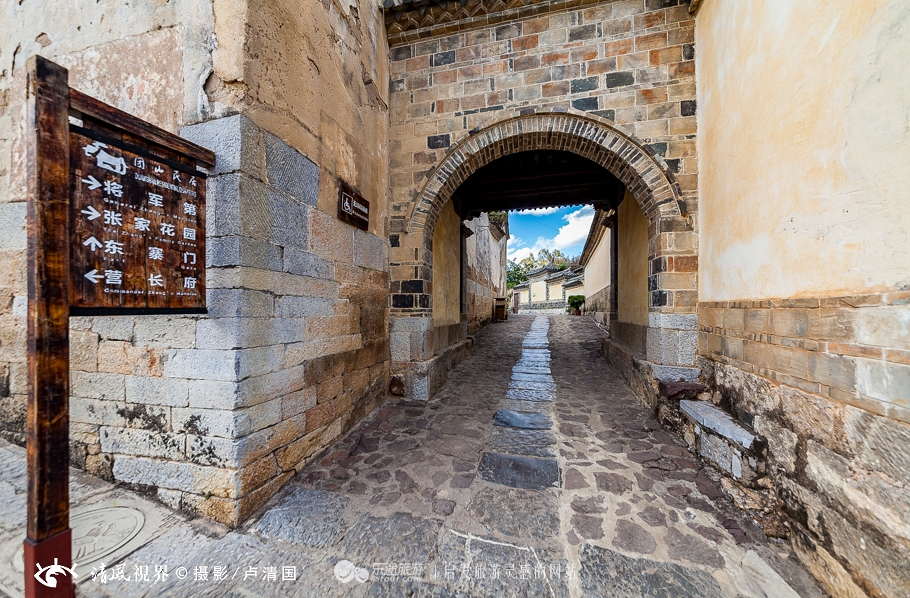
[628, 61]
[598, 305]
[827, 382]
[214, 413]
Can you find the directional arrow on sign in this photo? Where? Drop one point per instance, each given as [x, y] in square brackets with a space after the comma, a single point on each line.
[92, 182]
[92, 243]
[91, 212]
[94, 276]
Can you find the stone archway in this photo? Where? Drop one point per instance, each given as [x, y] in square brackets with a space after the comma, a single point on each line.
[672, 250]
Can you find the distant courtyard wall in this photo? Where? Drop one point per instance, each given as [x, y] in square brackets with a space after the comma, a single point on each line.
[805, 294]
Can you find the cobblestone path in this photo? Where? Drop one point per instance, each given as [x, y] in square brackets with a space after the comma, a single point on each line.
[533, 472]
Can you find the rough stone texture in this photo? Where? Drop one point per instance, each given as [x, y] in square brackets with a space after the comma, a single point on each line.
[399, 496]
[820, 449]
[308, 518]
[519, 472]
[273, 237]
[528, 443]
[516, 513]
[528, 421]
[608, 573]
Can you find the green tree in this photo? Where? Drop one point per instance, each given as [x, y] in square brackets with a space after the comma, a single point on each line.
[516, 273]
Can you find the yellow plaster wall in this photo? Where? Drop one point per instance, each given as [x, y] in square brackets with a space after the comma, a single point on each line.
[447, 267]
[556, 291]
[803, 111]
[538, 291]
[597, 270]
[632, 267]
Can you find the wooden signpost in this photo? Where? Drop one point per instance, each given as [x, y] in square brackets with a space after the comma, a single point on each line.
[116, 225]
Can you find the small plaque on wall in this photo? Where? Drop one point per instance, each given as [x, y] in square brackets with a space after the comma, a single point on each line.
[353, 208]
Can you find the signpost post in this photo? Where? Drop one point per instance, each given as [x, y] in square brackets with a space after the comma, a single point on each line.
[116, 225]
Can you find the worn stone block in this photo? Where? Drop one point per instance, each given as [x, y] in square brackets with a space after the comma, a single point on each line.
[330, 238]
[257, 361]
[109, 387]
[299, 307]
[887, 326]
[259, 389]
[667, 373]
[113, 328]
[12, 226]
[237, 333]
[199, 364]
[885, 381]
[790, 322]
[290, 171]
[713, 419]
[213, 394]
[243, 206]
[832, 370]
[157, 391]
[236, 141]
[239, 303]
[118, 413]
[187, 477]
[781, 442]
[370, 251]
[172, 332]
[211, 422]
[234, 250]
[120, 357]
[148, 443]
[84, 351]
[304, 263]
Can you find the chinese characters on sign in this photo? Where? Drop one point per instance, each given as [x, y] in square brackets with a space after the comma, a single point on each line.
[352, 208]
[138, 226]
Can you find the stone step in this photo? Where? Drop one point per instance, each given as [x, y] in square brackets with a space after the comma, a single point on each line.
[710, 417]
[717, 437]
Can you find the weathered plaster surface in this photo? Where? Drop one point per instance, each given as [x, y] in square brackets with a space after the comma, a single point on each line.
[805, 138]
[597, 268]
[632, 267]
[447, 268]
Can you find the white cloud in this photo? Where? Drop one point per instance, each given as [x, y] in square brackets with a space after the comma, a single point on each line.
[516, 241]
[519, 253]
[539, 211]
[570, 234]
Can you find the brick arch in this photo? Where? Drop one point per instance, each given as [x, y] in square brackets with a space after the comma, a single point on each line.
[653, 187]
[672, 244]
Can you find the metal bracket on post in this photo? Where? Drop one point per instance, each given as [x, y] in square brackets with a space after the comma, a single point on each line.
[48, 543]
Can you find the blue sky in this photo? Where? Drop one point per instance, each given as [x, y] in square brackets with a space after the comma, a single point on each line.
[549, 228]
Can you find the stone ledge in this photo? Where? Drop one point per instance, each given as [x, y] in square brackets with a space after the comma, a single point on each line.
[714, 419]
[423, 378]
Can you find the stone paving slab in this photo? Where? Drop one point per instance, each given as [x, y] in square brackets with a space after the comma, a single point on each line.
[519, 394]
[306, 517]
[605, 572]
[519, 472]
[527, 421]
[526, 406]
[527, 443]
[525, 369]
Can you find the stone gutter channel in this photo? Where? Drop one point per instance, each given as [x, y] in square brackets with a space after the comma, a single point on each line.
[518, 453]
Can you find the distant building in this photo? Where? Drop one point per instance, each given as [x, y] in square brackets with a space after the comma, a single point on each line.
[546, 288]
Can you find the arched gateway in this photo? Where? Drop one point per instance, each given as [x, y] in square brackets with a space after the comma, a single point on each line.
[671, 336]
